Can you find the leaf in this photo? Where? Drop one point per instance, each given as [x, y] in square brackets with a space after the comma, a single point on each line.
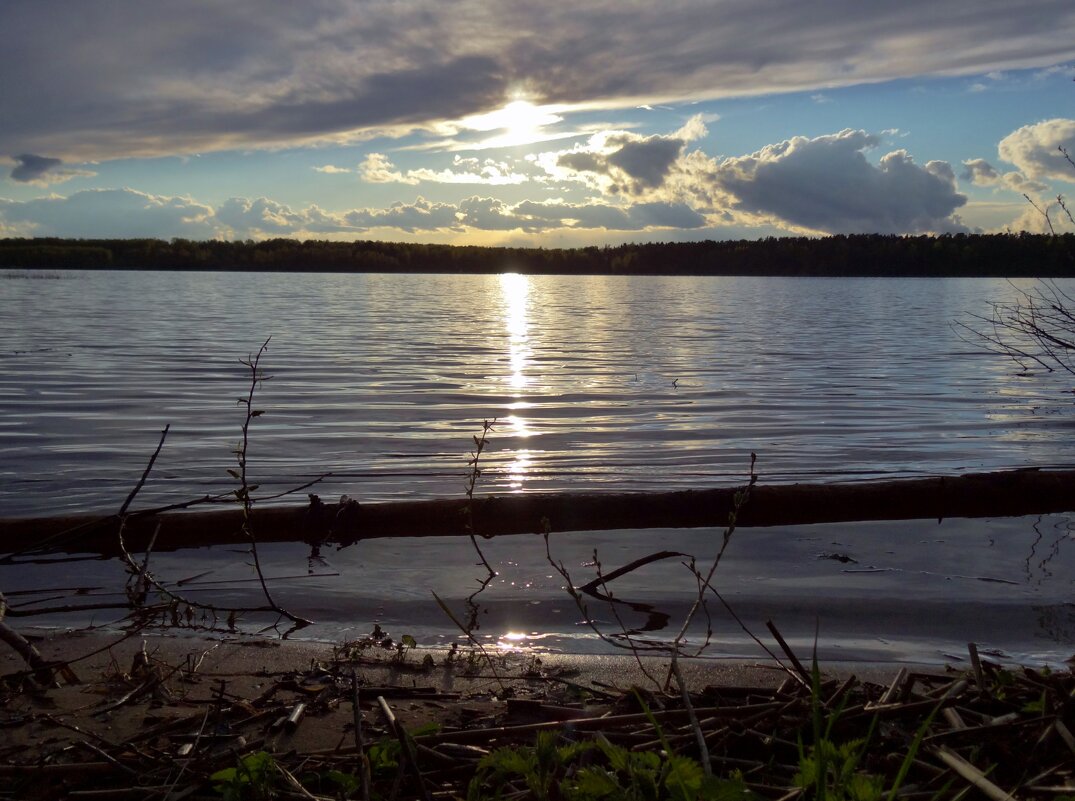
[234, 473]
[595, 782]
[347, 782]
[684, 778]
[424, 730]
[714, 789]
[1036, 706]
[408, 641]
[225, 776]
[257, 413]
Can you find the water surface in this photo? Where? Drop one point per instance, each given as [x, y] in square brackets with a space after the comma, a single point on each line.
[597, 384]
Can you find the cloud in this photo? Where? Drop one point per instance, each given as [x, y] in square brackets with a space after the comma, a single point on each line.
[137, 78]
[123, 213]
[118, 213]
[42, 170]
[494, 214]
[827, 184]
[422, 215]
[330, 169]
[378, 169]
[824, 184]
[981, 173]
[241, 218]
[620, 162]
[1035, 149]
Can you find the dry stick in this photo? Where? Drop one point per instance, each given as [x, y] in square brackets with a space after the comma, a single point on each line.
[739, 500]
[468, 632]
[586, 617]
[803, 672]
[969, 772]
[590, 587]
[23, 647]
[133, 565]
[472, 480]
[699, 735]
[1065, 734]
[600, 723]
[245, 489]
[360, 741]
[976, 664]
[895, 689]
[405, 743]
[754, 637]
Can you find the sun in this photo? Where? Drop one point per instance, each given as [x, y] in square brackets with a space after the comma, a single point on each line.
[520, 121]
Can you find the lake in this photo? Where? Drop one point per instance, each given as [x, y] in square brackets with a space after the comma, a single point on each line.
[596, 384]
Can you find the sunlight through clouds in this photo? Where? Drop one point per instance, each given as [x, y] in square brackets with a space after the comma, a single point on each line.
[535, 124]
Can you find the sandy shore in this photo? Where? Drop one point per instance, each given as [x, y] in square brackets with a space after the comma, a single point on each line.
[119, 693]
[169, 717]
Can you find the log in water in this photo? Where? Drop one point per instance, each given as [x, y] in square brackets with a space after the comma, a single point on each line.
[1000, 494]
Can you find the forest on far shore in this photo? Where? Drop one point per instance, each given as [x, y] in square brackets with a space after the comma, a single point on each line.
[1007, 255]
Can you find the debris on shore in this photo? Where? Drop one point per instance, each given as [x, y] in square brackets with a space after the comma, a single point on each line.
[368, 722]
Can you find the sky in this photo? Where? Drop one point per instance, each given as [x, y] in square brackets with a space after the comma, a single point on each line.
[553, 123]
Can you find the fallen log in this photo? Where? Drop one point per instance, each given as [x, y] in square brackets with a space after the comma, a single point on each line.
[1000, 494]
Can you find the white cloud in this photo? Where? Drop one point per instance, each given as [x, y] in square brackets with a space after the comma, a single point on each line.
[241, 218]
[330, 169]
[980, 172]
[378, 169]
[1035, 149]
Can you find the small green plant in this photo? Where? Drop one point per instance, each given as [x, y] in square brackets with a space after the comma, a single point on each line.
[831, 771]
[252, 779]
[596, 770]
[406, 643]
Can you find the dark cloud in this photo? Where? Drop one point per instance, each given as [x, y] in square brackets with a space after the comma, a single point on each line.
[646, 161]
[127, 77]
[626, 162]
[29, 167]
[827, 184]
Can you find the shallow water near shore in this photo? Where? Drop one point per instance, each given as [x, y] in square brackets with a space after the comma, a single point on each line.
[906, 591]
[598, 384]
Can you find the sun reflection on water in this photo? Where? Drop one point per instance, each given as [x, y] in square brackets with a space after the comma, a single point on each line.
[515, 291]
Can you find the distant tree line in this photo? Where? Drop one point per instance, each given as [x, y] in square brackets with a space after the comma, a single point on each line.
[1010, 255]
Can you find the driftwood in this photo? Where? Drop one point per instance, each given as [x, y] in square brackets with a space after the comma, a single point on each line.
[1010, 493]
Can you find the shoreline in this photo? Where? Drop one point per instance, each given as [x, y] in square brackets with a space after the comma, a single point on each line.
[168, 717]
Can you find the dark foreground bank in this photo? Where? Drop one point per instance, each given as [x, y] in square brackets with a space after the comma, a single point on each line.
[183, 718]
